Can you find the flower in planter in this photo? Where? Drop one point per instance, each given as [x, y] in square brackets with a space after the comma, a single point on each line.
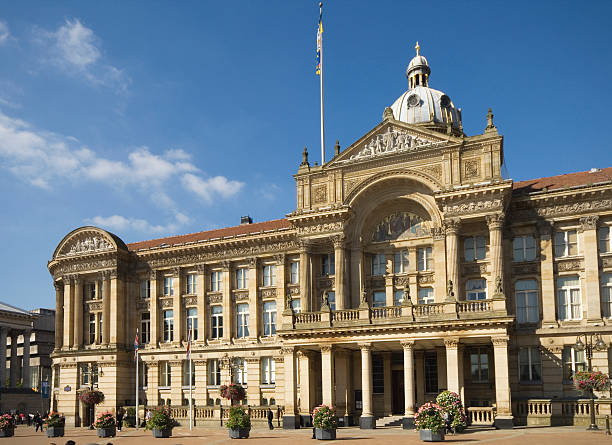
[105, 420]
[591, 381]
[324, 417]
[161, 419]
[429, 417]
[6, 422]
[54, 419]
[238, 419]
[91, 397]
[232, 392]
[451, 404]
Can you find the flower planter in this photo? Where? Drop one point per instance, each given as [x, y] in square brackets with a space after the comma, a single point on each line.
[430, 436]
[55, 431]
[161, 433]
[239, 433]
[107, 432]
[7, 432]
[325, 434]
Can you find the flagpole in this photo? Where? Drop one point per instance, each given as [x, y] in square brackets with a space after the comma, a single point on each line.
[321, 80]
[190, 384]
[137, 418]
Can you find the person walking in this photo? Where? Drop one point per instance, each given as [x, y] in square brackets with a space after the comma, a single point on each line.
[38, 422]
[270, 418]
[119, 419]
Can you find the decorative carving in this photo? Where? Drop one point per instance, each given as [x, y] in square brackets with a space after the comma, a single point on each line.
[566, 208]
[426, 279]
[95, 306]
[88, 244]
[499, 286]
[215, 298]
[589, 222]
[400, 225]
[326, 349]
[471, 206]
[496, 221]
[449, 288]
[252, 262]
[407, 344]
[451, 226]
[165, 302]
[143, 305]
[565, 266]
[294, 289]
[401, 281]
[240, 296]
[201, 269]
[471, 168]
[268, 293]
[191, 300]
[319, 194]
[433, 170]
[438, 233]
[349, 185]
[326, 283]
[338, 241]
[321, 228]
[451, 343]
[367, 347]
[474, 269]
[84, 266]
[280, 259]
[606, 262]
[176, 272]
[524, 269]
[499, 341]
[286, 350]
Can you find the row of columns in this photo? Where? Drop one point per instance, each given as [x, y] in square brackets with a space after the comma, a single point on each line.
[18, 367]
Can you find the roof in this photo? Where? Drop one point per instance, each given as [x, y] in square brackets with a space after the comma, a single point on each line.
[8, 308]
[243, 229]
[594, 176]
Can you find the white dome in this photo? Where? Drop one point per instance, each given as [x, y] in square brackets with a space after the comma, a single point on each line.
[423, 104]
[417, 61]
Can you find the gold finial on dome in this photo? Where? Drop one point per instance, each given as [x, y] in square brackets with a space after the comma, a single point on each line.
[417, 47]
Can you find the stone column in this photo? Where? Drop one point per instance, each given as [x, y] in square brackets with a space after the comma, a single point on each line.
[367, 420]
[419, 364]
[153, 383]
[253, 380]
[199, 391]
[503, 418]
[590, 251]
[306, 386]
[439, 258]
[201, 304]
[305, 277]
[387, 396]
[496, 223]
[452, 255]
[281, 278]
[254, 314]
[68, 310]
[154, 309]
[549, 316]
[389, 278]
[77, 339]
[228, 312]
[59, 319]
[14, 360]
[116, 322]
[176, 382]
[408, 422]
[327, 375]
[355, 285]
[454, 366]
[339, 272]
[290, 419]
[177, 306]
[3, 332]
[106, 297]
[25, 367]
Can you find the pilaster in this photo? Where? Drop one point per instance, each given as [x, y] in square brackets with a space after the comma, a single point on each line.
[503, 418]
[328, 375]
[290, 419]
[339, 272]
[451, 227]
[588, 225]
[77, 339]
[408, 384]
[59, 323]
[154, 307]
[177, 307]
[253, 380]
[547, 275]
[367, 420]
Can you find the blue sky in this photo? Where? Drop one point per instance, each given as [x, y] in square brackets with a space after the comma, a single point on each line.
[156, 118]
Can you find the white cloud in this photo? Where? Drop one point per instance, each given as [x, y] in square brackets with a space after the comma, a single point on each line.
[77, 44]
[123, 224]
[207, 188]
[4, 32]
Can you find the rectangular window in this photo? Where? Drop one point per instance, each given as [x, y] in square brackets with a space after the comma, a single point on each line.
[168, 325]
[606, 295]
[145, 289]
[331, 295]
[186, 373]
[479, 362]
[603, 236]
[89, 291]
[100, 327]
[566, 243]
[192, 284]
[573, 361]
[569, 300]
[242, 320]
[143, 375]
[526, 296]
[269, 318]
[379, 299]
[328, 264]
[239, 371]
[269, 275]
[215, 281]
[379, 264]
[165, 374]
[145, 327]
[85, 375]
[530, 365]
[192, 322]
[268, 371]
[242, 278]
[476, 289]
[168, 286]
[425, 259]
[400, 261]
[378, 374]
[294, 270]
[431, 372]
[398, 297]
[524, 248]
[426, 295]
[216, 321]
[475, 248]
[214, 372]
[92, 329]
[296, 305]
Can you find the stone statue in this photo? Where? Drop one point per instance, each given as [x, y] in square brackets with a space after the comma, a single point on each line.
[449, 288]
[288, 299]
[407, 300]
[499, 286]
[325, 299]
[364, 297]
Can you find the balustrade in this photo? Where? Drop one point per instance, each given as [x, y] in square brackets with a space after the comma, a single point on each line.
[473, 306]
[346, 315]
[379, 313]
[423, 310]
[481, 415]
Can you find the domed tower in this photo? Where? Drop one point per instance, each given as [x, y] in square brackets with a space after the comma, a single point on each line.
[423, 105]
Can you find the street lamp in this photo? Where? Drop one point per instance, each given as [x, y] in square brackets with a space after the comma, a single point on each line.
[588, 347]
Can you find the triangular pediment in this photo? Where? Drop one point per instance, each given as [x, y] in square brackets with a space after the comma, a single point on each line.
[390, 138]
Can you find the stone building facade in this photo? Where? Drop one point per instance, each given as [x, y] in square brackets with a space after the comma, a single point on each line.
[410, 265]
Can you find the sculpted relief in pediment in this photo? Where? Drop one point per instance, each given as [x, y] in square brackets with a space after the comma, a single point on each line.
[86, 243]
[400, 225]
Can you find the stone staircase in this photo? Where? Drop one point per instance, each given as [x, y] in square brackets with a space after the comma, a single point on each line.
[389, 421]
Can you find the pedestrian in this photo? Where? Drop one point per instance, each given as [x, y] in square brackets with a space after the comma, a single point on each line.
[119, 419]
[29, 419]
[448, 422]
[270, 418]
[38, 422]
[314, 430]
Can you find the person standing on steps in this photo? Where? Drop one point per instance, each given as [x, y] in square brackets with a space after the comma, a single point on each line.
[270, 418]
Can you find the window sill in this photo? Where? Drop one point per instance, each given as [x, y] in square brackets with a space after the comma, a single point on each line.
[539, 382]
[212, 386]
[267, 386]
[164, 388]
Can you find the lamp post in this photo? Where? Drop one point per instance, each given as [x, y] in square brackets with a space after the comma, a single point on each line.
[588, 346]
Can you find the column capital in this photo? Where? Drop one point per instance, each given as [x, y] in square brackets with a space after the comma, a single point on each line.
[226, 265]
[280, 259]
[365, 347]
[589, 222]
[500, 341]
[287, 350]
[495, 221]
[201, 269]
[252, 262]
[326, 349]
[451, 343]
[59, 286]
[176, 272]
[407, 344]
[338, 241]
[305, 246]
[451, 226]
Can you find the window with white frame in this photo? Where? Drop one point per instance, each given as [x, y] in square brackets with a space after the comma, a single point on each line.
[168, 286]
[475, 248]
[569, 300]
[296, 305]
[216, 322]
[606, 295]
[165, 374]
[143, 375]
[426, 295]
[269, 318]
[603, 236]
[400, 261]
[379, 299]
[192, 322]
[100, 327]
[398, 297]
[566, 243]
[242, 320]
[145, 289]
[526, 297]
[268, 371]
[215, 280]
[85, 374]
[192, 283]
[530, 365]
[294, 272]
[379, 264]
[524, 248]
[214, 372]
[328, 264]
[479, 363]
[168, 317]
[424, 259]
[269, 275]
[242, 278]
[476, 289]
[145, 327]
[92, 329]
[573, 361]
[239, 371]
[186, 373]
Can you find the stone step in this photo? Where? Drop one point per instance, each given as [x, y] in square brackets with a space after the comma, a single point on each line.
[389, 421]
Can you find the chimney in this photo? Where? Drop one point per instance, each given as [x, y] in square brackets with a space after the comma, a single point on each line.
[246, 220]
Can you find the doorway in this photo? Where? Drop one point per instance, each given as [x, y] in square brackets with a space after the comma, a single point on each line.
[397, 388]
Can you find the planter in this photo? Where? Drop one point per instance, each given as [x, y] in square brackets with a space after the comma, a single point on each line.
[8, 432]
[325, 434]
[107, 432]
[55, 431]
[430, 436]
[161, 433]
[239, 433]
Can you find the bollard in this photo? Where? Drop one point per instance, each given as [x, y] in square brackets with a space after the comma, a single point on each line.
[607, 425]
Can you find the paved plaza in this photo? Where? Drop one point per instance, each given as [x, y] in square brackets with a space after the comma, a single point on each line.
[213, 436]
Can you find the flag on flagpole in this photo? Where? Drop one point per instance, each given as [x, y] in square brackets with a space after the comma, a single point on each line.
[319, 40]
[136, 346]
